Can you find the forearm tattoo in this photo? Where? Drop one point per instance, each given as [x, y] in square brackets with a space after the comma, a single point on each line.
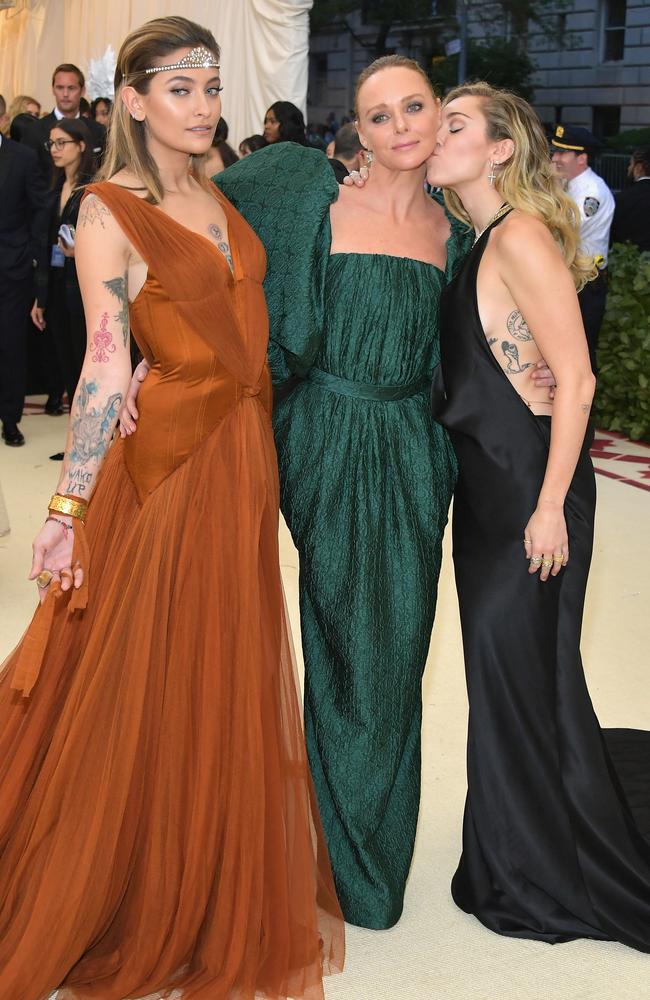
[102, 343]
[92, 426]
[517, 327]
[118, 288]
[92, 211]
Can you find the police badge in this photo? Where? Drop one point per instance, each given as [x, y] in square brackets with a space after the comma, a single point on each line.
[591, 206]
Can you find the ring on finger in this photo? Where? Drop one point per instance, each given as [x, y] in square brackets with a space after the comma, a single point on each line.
[44, 578]
[558, 557]
[546, 563]
[535, 560]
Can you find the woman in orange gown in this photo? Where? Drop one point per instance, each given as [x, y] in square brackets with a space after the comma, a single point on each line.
[158, 833]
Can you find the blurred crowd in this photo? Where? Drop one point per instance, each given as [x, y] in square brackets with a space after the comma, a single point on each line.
[46, 158]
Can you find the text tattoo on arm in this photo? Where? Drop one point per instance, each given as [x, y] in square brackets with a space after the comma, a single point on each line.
[92, 425]
[118, 288]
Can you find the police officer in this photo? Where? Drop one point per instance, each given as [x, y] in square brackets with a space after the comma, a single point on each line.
[572, 147]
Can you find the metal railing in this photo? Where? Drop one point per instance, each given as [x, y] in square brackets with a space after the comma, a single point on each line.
[612, 167]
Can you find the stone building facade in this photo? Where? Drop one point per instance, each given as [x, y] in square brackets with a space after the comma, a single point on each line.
[593, 61]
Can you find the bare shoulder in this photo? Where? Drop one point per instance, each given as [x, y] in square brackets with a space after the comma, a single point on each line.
[93, 212]
[521, 234]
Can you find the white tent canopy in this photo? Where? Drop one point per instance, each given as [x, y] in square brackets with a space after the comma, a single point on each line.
[264, 47]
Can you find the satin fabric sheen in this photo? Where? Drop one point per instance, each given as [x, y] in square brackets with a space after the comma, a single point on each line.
[552, 849]
[158, 830]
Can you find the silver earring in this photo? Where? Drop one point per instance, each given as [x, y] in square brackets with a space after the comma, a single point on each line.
[370, 156]
[492, 176]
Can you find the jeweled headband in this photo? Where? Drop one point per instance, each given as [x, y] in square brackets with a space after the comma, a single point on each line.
[197, 58]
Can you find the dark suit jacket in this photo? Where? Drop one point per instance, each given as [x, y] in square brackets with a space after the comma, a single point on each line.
[39, 133]
[340, 170]
[24, 214]
[632, 216]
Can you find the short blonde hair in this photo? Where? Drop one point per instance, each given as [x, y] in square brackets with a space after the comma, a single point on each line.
[126, 145]
[20, 104]
[527, 180]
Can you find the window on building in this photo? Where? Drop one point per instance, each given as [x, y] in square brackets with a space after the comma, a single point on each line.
[318, 71]
[606, 121]
[613, 30]
[560, 30]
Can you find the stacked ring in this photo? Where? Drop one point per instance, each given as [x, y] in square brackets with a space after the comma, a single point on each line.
[546, 563]
[535, 560]
[558, 557]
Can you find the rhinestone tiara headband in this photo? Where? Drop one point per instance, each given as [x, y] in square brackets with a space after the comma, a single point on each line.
[197, 58]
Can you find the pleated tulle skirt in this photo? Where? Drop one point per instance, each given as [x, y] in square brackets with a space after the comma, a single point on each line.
[158, 833]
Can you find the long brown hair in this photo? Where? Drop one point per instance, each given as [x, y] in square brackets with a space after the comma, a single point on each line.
[126, 143]
[527, 180]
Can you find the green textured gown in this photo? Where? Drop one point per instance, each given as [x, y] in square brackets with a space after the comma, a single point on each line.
[366, 480]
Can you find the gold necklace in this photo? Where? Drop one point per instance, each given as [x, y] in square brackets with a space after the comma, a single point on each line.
[497, 215]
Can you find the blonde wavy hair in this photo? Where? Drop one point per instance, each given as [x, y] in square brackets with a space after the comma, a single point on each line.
[126, 144]
[527, 180]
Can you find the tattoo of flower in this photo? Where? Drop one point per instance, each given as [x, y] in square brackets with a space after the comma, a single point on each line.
[118, 288]
[92, 426]
[103, 341]
[517, 327]
[218, 237]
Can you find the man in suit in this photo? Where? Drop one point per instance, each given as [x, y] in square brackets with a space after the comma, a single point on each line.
[632, 213]
[68, 83]
[23, 234]
[347, 152]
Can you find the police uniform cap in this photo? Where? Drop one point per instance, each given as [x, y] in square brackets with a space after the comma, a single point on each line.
[574, 138]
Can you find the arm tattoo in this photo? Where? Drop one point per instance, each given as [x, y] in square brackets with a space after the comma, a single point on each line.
[92, 426]
[218, 237]
[517, 327]
[118, 288]
[585, 407]
[514, 366]
[92, 211]
[102, 342]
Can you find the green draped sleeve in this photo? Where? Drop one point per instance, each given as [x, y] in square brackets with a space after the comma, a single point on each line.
[284, 192]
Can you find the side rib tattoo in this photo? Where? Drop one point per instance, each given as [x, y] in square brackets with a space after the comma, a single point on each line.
[517, 327]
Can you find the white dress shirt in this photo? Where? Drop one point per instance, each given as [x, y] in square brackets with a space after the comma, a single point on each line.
[596, 205]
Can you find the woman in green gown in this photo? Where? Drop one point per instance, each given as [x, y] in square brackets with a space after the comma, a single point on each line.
[353, 284]
[366, 474]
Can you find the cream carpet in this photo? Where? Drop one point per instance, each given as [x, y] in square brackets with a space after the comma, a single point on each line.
[436, 952]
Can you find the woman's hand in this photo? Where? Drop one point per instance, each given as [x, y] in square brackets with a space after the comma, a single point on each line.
[546, 540]
[542, 376]
[38, 317]
[67, 251]
[357, 178]
[129, 412]
[52, 550]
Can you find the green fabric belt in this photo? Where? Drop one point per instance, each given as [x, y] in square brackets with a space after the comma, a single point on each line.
[365, 390]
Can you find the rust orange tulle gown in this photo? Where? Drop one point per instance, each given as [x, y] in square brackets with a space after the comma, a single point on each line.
[158, 832]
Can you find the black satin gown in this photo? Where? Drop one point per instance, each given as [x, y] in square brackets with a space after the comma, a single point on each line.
[556, 838]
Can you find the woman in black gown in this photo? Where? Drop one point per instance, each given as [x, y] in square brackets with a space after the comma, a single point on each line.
[555, 845]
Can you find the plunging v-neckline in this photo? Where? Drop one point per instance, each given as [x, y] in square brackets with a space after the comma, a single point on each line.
[225, 204]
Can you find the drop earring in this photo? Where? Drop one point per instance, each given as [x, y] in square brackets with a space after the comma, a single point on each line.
[492, 176]
[369, 157]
